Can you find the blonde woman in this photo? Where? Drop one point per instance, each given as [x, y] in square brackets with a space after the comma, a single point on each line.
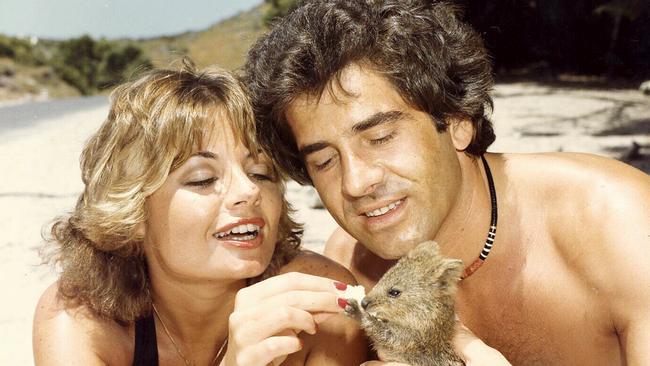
[181, 250]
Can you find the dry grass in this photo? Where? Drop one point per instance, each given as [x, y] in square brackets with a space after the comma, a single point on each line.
[21, 82]
[224, 43]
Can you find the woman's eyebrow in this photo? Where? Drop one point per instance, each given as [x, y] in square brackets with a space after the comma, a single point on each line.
[206, 154]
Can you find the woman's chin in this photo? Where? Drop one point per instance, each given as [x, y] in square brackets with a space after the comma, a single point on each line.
[247, 268]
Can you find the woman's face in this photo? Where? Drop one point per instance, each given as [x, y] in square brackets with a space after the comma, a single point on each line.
[216, 216]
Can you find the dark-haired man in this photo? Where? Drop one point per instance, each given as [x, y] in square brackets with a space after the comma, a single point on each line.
[381, 105]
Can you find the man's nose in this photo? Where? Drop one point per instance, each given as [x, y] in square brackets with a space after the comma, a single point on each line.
[361, 175]
[242, 191]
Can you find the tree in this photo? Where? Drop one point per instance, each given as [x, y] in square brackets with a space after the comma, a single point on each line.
[278, 9]
[619, 10]
[90, 65]
[76, 61]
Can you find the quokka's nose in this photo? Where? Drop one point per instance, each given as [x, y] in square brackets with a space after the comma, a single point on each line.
[364, 303]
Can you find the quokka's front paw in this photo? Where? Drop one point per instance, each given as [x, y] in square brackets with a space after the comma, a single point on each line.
[353, 309]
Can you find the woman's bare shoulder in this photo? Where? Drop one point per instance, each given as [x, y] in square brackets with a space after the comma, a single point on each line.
[68, 334]
[316, 264]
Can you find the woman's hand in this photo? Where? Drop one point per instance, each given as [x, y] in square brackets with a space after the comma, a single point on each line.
[268, 316]
[473, 350]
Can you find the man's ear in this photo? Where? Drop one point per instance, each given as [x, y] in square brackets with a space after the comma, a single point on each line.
[461, 130]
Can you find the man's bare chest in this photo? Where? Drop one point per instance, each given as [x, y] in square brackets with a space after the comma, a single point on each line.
[539, 315]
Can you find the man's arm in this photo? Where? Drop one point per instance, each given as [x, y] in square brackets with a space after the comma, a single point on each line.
[628, 246]
[616, 254]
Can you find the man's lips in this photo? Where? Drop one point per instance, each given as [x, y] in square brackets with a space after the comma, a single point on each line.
[382, 209]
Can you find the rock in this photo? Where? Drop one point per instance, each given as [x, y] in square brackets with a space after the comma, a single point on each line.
[645, 87]
[632, 152]
[7, 70]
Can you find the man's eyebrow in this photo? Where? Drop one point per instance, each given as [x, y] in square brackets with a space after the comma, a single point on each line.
[370, 122]
[377, 119]
[206, 154]
[312, 148]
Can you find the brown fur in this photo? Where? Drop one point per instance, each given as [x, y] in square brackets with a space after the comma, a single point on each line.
[417, 325]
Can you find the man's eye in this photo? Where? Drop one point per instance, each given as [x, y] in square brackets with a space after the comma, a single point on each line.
[382, 139]
[202, 183]
[323, 165]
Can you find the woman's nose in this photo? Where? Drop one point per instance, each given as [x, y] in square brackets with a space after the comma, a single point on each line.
[242, 192]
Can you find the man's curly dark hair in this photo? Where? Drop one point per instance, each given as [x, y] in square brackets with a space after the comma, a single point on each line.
[437, 63]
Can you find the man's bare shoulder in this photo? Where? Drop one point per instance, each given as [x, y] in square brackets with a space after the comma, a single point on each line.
[340, 247]
[64, 334]
[550, 168]
[580, 195]
[313, 263]
[597, 212]
[366, 267]
[591, 187]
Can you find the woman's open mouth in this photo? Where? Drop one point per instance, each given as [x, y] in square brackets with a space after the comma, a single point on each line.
[246, 233]
[243, 232]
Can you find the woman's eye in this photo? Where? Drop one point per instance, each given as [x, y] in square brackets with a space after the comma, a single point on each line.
[202, 183]
[261, 177]
[262, 172]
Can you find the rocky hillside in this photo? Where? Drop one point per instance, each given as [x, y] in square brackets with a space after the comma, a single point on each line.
[224, 43]
[28, 68]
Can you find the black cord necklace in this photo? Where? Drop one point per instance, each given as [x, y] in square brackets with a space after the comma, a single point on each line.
[492, 232]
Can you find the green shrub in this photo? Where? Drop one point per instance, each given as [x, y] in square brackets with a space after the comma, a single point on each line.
[91, 65]
[21, 51]
[278, 9]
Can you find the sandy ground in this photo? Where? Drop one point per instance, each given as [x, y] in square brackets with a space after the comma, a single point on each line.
[41, 180]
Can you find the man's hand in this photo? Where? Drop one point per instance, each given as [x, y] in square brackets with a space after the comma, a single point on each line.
[473, 350]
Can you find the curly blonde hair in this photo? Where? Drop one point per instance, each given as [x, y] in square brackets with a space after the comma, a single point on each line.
[153, 126]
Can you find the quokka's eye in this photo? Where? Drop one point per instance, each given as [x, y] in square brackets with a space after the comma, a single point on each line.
[393, 292]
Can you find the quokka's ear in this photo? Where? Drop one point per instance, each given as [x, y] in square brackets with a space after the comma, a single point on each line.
[451, 271]
[427, 248]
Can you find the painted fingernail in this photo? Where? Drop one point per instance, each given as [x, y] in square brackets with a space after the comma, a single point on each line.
[340, 286]
[342, 303]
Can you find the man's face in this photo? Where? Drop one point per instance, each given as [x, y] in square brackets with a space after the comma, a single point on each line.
[381, 168]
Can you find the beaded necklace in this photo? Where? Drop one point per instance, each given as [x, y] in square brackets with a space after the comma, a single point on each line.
[492, 232]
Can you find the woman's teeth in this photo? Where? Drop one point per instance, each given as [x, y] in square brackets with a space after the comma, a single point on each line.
[237, 233]
[383, 210]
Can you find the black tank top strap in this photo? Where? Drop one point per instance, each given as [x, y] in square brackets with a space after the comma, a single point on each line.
[146, 347]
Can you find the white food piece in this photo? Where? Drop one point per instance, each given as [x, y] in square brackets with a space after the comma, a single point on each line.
[354, 292]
